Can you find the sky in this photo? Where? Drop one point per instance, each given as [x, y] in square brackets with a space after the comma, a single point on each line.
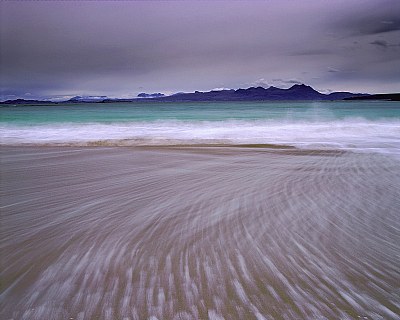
[59, 49]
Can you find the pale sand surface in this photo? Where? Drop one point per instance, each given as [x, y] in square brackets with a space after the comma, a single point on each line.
[198, 233]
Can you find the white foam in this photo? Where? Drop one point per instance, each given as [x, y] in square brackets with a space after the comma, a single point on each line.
[356, 133]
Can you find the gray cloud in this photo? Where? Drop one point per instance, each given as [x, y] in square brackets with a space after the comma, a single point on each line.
[312, 52]
[333, 70]
[380, 43]
[286, 82]
[384, 44]
[115, 48]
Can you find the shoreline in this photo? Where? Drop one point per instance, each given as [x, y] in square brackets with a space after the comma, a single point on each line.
[191, 148]
[135, 143]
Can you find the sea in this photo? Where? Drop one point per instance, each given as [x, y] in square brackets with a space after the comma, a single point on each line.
[219, 211]
[360, 126]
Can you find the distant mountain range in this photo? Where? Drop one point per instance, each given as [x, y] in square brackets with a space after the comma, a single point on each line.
[296, 92]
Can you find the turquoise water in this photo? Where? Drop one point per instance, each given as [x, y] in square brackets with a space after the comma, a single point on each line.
[366, 126]
[209, 111]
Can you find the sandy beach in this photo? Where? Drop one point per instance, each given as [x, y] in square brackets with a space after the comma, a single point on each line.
[198, 233]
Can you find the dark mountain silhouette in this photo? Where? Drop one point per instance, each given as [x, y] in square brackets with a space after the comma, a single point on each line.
[296, 92]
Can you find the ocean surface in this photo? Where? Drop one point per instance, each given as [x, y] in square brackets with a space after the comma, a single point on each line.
[154, 231]
[346, 125]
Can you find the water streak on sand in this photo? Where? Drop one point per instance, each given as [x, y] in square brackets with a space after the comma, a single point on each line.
[129, 233]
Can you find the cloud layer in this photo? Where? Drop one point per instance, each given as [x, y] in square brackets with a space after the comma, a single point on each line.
[122, 48]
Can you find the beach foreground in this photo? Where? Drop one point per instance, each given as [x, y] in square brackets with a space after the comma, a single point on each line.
[198, 233]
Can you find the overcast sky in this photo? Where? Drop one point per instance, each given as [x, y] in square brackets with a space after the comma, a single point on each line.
[121, 48]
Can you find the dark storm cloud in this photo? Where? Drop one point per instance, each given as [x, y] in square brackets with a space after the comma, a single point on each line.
[370, 18]
[373, 24]
[115, 48]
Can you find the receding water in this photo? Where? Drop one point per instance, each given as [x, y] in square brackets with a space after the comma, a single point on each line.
[199, 233]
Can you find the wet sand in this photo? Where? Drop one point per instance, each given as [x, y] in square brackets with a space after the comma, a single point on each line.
[195, 233]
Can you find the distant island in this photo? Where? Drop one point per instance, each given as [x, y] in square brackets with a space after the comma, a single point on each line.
[150, 95]
[387, 97]
[299, 92]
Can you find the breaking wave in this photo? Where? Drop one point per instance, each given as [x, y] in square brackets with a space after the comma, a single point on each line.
[357, 133]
